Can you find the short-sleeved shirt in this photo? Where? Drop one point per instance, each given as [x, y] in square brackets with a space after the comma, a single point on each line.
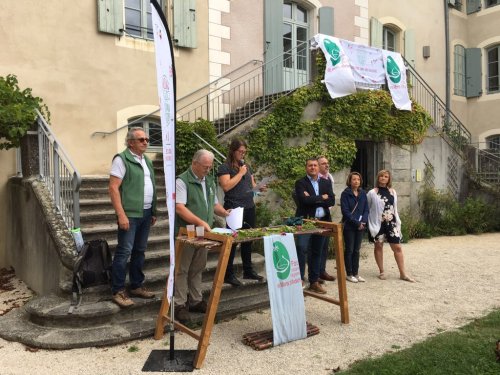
[241, 195]
[181, 191]
[118, 170]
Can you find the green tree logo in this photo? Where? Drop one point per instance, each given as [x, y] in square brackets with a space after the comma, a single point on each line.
[393, 70]
[333, 50]
[281, 260]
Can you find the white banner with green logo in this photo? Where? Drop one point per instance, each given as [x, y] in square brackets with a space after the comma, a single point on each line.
[351, 66]
[395, 72]
[285, 289]
[339, 80]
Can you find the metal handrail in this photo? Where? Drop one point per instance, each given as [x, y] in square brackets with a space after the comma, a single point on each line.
[59, 174]
[179, 101]
[236, 100]
[445, 121]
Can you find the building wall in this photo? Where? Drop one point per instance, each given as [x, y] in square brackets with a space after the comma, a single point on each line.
[7, 169]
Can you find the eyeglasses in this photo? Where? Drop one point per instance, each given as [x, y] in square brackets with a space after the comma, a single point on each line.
[142, 140]
[242, 152]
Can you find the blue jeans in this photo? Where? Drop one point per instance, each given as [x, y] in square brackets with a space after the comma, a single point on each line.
[131, 243]
[352, 244]
[313, 244]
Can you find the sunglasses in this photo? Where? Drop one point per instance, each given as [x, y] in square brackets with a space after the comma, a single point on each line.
[142, 140]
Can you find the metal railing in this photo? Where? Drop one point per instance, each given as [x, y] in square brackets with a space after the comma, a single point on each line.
[485, 162]
[59, 174]
[234, 99]
[445, 121]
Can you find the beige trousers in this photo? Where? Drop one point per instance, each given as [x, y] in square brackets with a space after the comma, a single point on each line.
[188, 278]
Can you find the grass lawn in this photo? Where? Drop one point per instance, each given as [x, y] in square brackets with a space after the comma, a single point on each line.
[470, 350]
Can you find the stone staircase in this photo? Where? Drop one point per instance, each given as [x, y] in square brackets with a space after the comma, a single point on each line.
[246, 112]
[44, 322]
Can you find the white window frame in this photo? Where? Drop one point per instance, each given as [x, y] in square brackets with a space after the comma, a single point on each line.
[488, 75]
[145, 19]
[459, 70]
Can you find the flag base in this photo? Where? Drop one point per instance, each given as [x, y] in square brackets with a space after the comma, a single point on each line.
[159, 361]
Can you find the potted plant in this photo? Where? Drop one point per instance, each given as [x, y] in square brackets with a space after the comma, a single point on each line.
[17, 116]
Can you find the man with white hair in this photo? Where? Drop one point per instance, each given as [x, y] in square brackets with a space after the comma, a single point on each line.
[133, 196]
[195, 203]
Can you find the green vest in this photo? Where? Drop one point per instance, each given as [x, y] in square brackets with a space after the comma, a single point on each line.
[195, 200]
[132, 186]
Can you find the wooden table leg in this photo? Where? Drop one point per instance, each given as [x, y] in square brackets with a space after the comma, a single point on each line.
[341, 275]
[213, 301]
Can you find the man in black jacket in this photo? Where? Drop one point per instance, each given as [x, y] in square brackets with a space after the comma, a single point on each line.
[314, 196]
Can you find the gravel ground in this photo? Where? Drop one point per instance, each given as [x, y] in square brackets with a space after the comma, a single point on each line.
[457, 280]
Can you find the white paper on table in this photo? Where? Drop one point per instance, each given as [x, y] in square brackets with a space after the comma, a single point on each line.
[235, 218]
[222, 231]
[261, 183]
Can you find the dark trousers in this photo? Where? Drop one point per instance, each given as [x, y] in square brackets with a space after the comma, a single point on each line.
[245, 247]
[309, 247]
[352, 244]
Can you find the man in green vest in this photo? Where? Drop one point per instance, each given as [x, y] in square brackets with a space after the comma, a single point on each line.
[195, 203]
[133, 196]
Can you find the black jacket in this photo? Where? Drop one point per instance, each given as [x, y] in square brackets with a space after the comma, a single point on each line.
[306, 206]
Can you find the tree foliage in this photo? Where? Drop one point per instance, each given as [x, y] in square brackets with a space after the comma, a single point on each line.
[17, 111]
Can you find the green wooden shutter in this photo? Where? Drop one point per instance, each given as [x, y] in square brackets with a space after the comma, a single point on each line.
[473, 72]
[110, 16]
[185, 23]
[325, 20]
[473, 6]
[376, 31]
[410, 54]
[273, 46]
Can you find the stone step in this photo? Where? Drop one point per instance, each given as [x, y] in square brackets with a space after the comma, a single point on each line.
[106, 214]
[108, 231]
[100, 183]
[19, 326]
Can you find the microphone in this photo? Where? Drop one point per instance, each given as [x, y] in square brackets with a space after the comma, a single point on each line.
[242, 163]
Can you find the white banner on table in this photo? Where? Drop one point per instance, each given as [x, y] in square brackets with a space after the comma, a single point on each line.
[165, 74]
[396, 79]
[339, 79]
[285, 289]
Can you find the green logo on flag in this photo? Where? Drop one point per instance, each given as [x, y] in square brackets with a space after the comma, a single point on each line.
[281, 260]
[393, 70]
[333, 50]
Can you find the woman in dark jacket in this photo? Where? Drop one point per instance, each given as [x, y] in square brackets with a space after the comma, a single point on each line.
[354, 206]
[237, 181]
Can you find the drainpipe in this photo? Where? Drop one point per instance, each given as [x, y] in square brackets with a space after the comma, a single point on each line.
[447, 54]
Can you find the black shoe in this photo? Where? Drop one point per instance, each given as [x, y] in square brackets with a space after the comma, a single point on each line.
[252, 275]
[200, 307]
[233, 281]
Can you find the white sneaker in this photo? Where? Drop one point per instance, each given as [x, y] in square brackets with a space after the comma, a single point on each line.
[360, 279]
[352, 279]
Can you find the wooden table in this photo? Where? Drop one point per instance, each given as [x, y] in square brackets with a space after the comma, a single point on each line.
[223, 243]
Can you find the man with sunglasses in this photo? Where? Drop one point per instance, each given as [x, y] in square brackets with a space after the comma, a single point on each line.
[133, 196]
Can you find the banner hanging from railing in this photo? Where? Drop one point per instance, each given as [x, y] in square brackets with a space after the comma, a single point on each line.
[352, 65]
[165, 74]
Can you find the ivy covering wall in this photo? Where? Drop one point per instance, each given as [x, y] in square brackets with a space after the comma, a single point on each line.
[366, 115]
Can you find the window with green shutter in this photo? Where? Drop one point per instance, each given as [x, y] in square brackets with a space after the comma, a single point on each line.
[493, 69]
[473, 72]
[459, 70]
[110, 16]
[185, 23]
[325, 15]
[473, 6]
[492, 3]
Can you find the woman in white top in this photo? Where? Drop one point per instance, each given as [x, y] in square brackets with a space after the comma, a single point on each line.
[384, 223]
